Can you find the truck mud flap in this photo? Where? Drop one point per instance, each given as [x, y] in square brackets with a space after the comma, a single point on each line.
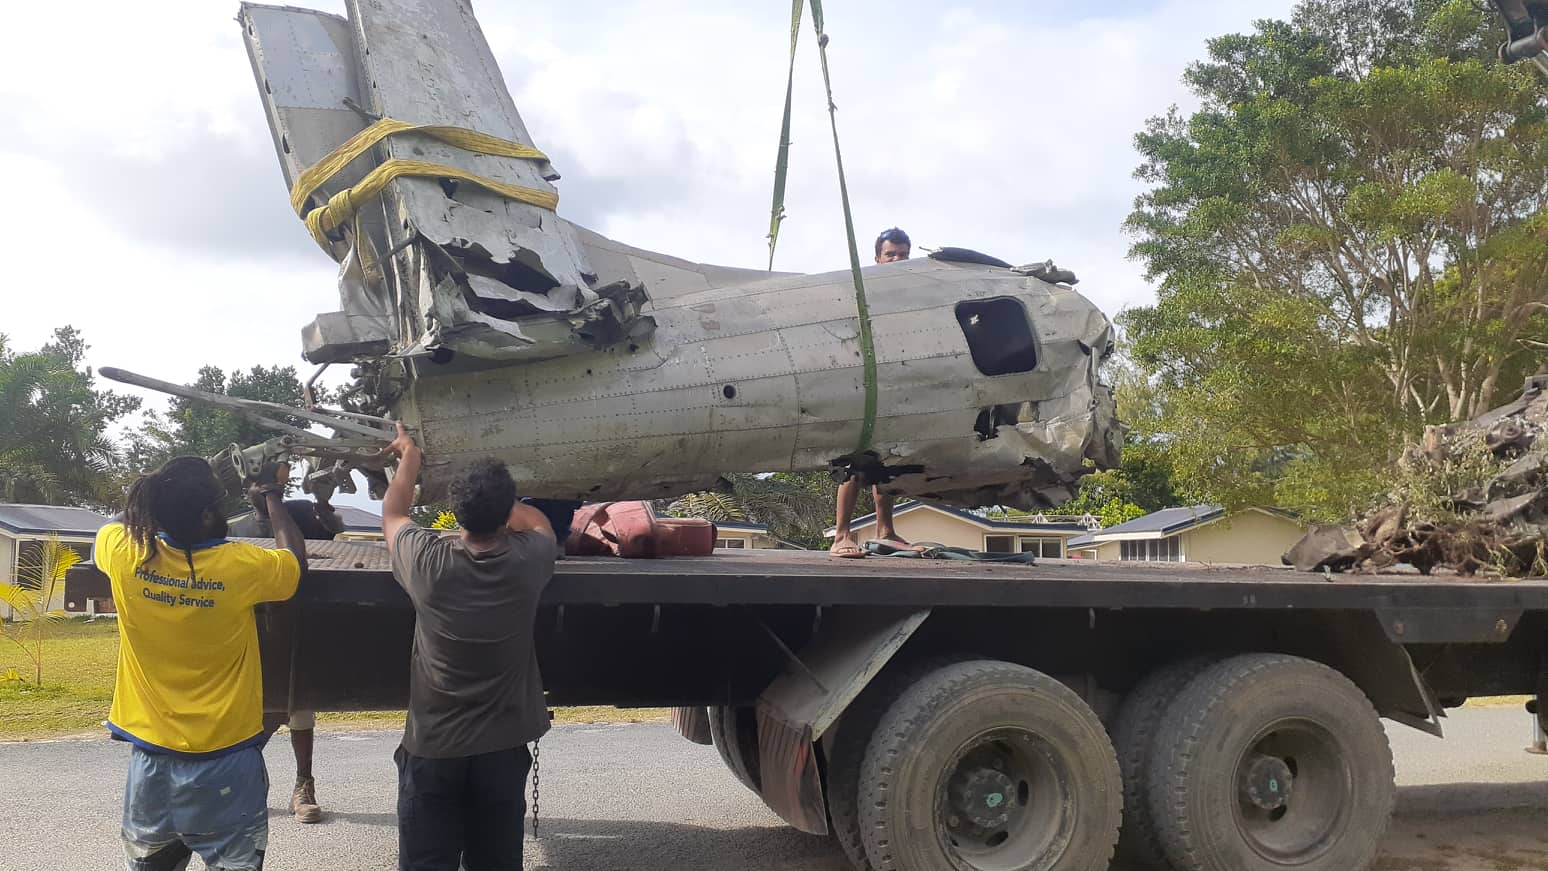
[792, 782]
[693, 724]
[851, 647]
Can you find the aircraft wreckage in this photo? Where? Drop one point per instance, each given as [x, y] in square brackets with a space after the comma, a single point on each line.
[1481, 505]
[477, 315]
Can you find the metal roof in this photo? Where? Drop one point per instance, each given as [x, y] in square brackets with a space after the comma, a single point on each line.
[1162, 524]
[355, 519]
[358, 519]
[986, 522]
[45, 519]
[1166, 521]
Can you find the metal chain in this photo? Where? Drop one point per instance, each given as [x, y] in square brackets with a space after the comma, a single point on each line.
[537, 768]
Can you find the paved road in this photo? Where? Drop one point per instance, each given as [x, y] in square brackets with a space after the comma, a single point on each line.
[639, 797]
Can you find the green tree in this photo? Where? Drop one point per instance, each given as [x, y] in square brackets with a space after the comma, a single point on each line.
[54, 447]
[1142, 484]
[195, 428]
[1350, 241]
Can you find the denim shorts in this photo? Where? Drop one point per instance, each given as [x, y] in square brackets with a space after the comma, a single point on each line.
[217, 807]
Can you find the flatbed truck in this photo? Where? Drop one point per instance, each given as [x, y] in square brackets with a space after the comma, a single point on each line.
[933, 714]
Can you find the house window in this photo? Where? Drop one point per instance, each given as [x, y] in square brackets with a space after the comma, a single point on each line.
[1163, 550]
[731, 542]
[1043, 546]
[999, 335]
[1047, 548]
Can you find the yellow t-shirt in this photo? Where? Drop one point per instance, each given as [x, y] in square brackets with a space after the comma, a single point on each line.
[189, 676]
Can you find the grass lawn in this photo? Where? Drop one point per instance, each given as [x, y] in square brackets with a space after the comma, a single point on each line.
[79, 659]
[1518, 702]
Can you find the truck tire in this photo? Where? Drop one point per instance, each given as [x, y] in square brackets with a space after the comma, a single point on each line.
[990, 766]
[854, 734]
[734, 732]
[1134, 733]
[1269, 762]
[849, 745]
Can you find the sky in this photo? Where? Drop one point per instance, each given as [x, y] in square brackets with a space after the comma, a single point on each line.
[145, 204]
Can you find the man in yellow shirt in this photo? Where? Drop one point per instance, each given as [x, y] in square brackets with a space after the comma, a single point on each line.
[189, 691]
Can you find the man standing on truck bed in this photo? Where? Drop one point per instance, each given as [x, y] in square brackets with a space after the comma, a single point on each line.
[891, 246]
[475, 694]
[318, 521]
[189, 691]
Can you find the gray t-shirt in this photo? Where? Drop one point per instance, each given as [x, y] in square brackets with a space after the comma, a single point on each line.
[474, 685]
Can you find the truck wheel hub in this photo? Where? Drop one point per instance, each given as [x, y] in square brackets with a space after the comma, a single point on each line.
[1267, 782]
[983, 797]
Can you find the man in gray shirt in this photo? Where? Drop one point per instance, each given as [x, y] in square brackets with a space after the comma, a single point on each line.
[475, 694]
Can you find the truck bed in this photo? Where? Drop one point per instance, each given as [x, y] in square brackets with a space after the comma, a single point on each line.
[357, 573]
[716, 630]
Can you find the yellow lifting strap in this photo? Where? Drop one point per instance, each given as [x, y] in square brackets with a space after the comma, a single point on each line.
[343, 205]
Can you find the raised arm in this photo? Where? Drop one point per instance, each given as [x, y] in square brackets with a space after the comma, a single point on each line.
[286, 534]
[268, 500]
[400, 493]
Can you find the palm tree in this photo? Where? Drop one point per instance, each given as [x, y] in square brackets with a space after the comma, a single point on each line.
[795, 506]
[31, 595]
[716, 505]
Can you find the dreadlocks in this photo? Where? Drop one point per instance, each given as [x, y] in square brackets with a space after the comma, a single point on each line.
[177, 499]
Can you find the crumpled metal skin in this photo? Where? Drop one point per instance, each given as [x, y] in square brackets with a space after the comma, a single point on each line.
[768, 377]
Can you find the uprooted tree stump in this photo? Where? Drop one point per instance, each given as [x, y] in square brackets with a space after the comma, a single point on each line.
[1471, 496]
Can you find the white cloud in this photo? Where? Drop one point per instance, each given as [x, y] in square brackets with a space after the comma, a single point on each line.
[145, 205]
[980, 125]
[139, 307]
[132, 77]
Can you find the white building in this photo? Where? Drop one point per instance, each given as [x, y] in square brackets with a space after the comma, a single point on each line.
[24, 529]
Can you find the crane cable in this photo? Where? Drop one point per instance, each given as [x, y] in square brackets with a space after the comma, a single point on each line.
[777, 211]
